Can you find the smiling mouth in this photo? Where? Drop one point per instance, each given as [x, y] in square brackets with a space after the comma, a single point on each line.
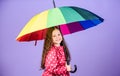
[58, 40]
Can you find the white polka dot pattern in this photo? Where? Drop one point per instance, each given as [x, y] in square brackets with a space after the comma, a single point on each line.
[55, 62]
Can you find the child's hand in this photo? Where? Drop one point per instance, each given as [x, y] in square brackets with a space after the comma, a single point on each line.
[68, 67]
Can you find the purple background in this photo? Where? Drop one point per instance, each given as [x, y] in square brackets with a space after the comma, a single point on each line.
[95, 51]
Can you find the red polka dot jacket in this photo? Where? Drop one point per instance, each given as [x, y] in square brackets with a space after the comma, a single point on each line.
[55, 62]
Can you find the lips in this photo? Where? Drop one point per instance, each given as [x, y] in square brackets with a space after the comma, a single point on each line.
[58, 40]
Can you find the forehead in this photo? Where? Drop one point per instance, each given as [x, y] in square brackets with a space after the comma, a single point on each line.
[56, 31]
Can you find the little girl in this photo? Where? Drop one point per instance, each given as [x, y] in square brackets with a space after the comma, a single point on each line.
[55, 54]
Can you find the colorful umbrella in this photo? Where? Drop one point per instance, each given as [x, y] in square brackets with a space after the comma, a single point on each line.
[70, 19]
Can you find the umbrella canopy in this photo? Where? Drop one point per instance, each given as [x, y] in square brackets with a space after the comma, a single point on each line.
[70, 19]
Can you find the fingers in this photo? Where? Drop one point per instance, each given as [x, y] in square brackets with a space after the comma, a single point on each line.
[68, 67]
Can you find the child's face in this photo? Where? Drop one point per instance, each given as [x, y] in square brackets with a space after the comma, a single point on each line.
[56, 37]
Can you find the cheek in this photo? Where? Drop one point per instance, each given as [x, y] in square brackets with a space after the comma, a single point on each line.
[61, 38]
[53, 38]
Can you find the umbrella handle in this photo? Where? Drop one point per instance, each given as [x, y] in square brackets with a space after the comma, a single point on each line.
[75, 67]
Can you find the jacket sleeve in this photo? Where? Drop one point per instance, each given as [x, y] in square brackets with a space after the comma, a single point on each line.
[51, 64]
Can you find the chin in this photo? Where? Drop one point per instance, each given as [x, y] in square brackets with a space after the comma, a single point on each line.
[57, 42]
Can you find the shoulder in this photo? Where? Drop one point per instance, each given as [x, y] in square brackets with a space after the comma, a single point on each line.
[51, 55]
[52, 51]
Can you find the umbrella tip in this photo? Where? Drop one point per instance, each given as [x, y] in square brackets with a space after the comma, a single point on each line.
[35, 42]
[54, 4]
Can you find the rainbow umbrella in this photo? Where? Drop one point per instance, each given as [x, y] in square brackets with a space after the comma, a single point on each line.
[70, 19]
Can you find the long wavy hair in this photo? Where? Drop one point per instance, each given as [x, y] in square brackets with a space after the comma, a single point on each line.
[48, 44]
